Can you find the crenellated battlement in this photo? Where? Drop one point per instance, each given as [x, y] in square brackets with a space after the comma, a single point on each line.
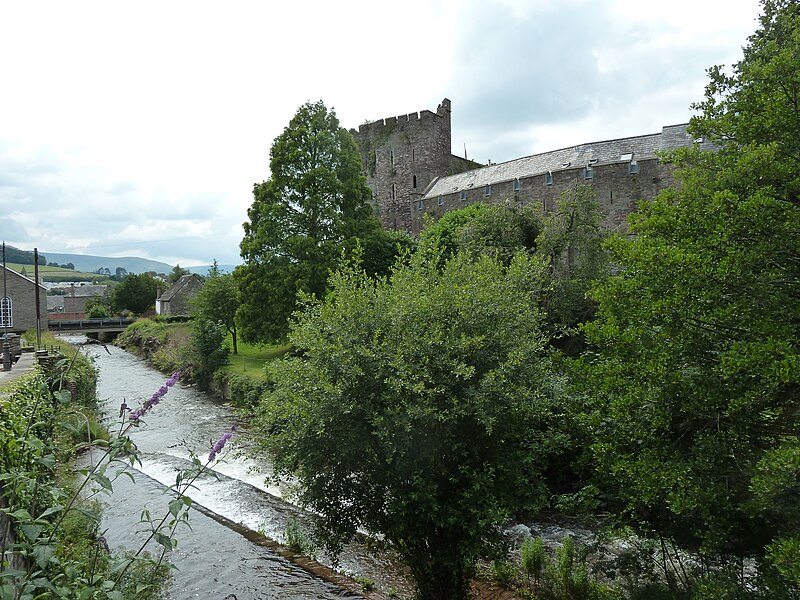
[375, 127]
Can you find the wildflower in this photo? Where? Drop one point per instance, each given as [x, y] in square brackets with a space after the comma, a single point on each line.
[123, 408]
[137, 414]
[217, 448]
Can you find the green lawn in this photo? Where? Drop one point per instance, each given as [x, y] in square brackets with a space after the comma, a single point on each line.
[251, 359]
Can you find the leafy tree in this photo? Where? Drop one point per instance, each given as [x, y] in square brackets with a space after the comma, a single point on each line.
[136, 294]
[494, 230]
[120, 273]
[218, 301]
[207, 351]
[572, 238]
[98, 307]
[176, 273]
[300, 219]
[419, 407]
[697, 385]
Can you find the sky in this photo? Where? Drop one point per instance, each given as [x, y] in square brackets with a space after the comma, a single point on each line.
[139, 128]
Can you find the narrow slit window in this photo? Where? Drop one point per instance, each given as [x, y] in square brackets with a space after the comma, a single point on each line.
[414, 181]
[420, 204]
[515, 185]
[548, 178]
[441, 201]
[487, 191]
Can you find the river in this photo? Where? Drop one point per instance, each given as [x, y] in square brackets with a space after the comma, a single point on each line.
[220, 555]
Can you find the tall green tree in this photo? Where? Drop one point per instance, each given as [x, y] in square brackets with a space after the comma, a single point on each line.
[137, 294]
[421, 409]
[176, 273]
[217, 301]
[697, 381]
[300, 219]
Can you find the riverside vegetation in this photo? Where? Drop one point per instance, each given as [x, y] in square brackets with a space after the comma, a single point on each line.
[52, 546]
[513, 363]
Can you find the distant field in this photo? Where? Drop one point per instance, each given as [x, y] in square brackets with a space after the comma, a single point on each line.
[55, 273]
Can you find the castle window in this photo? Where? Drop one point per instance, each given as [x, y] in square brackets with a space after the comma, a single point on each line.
[487, 191]
[515, 185]
[420, 204]
[588, 173]
[548, 178]
[633, 167]
[414, 181]
[6, 314]
[412, 155]
[394, 192]
[462, 195]
[441, 200]
[391, 157]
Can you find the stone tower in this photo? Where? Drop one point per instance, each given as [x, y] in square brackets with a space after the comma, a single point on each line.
[401, 156]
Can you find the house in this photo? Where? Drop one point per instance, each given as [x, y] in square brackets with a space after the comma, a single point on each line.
[18, 303]
[175, 301]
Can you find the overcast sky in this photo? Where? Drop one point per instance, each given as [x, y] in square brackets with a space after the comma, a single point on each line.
[139, 128]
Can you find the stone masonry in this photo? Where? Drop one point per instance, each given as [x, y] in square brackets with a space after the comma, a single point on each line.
[402, 155]
[412, 173]
[21, 291]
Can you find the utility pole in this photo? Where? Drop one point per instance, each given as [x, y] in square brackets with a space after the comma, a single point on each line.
[5, 313]
[38, 312]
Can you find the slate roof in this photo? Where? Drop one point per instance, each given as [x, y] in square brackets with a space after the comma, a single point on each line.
[177, 287]
[671, 137]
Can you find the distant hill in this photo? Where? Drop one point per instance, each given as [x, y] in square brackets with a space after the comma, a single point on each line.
[203, 269]
[86, 262]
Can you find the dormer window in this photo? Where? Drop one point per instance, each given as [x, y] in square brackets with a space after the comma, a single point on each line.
[588, 173]
[633, 167]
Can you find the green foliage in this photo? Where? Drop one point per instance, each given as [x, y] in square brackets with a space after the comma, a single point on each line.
[479, 229]
[533, 557]
[98, 307]
[176, 273]
[207, 351]
[572, 238]
[137, 294]
[696, 384]
[217, 301]
[420, 408]
[313, 206]
[298, 540]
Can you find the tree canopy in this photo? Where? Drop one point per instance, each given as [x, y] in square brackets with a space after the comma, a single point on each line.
[217, 302]
[420, 407]
[696, 371]
[136, 293]
[301, 220]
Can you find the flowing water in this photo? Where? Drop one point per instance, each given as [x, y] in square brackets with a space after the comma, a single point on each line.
[216, 557]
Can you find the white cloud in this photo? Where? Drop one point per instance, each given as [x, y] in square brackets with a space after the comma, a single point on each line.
[141, 127]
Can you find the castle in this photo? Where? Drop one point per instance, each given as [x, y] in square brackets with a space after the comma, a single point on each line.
[412, 173]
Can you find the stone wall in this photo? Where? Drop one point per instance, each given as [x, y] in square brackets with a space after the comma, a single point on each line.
[22, 292]
[617, 191]
[401, 156]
